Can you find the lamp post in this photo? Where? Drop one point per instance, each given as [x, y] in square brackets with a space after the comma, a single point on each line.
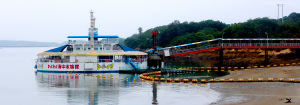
[266, 51]
[267, 38]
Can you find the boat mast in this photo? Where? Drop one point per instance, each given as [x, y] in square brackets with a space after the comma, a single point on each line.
[92, 32]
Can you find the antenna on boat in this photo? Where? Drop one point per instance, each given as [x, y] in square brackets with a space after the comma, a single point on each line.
[92, 32]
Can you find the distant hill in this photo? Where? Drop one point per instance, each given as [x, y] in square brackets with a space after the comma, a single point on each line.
[177, 33]
[11, 43]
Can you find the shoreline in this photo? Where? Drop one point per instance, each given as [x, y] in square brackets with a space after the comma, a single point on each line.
[259, 93]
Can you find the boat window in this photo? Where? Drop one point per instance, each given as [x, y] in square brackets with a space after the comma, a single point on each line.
[105, 58]
[77, 48]
[66, 59]
[70, 48]
[118, 58]
[89, 49]
[95, 48]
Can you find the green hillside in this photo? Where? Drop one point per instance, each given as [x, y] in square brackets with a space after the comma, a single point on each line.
[180, 33]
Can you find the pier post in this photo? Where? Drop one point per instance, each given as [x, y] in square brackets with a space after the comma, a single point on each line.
[154, 91]
[220, 59]
[266, 57]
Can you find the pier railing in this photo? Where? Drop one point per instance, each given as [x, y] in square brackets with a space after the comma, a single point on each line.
[234, 45]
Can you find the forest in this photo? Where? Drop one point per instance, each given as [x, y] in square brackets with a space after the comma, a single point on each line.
[178, 32]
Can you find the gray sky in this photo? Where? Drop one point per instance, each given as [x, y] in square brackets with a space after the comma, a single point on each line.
[54, 20]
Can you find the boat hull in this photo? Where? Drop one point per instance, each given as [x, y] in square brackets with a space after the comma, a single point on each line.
[103, 67]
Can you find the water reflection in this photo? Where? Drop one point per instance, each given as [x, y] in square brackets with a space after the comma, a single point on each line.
[92, 90]
[85, 89]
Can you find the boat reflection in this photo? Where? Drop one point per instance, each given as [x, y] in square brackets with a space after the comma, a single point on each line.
[91, 89]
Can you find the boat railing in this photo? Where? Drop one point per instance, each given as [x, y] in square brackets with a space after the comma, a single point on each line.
[98, 61]
[96, 42]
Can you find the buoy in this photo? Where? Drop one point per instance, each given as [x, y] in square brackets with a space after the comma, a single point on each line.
[212, 80]
[274, 65]
[241, 80]
[76, 73]
[202, 68]
[194, 80]
[235, 68]
[162, 79]
[250, 80]
[242, 68]
[126, 79]
[248, 67]
[117, 79]
[270, 79]
[254, 66]
[85, 74]
[196, 68]
[203, 81]
[261, 66]
[103, 77]
[112, 77]
[185, 80]
[216, 68]
[229, 68]
[222, 80]
[231, 80]
[169, 80]
[281, 79]
[287, 64]
[294, 64]
[208, 68]
[268, 66]
[156, 79]
[177, 80]
[281, 64]
[292, 80]
[152, 78]
[133, 80]
[121, 78]
[260, 79]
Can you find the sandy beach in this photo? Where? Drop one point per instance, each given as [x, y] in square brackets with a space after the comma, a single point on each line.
[260, 93]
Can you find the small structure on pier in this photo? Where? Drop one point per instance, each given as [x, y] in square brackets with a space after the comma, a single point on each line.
[155, 60]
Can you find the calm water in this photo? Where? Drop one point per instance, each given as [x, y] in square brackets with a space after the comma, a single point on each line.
[20, 85]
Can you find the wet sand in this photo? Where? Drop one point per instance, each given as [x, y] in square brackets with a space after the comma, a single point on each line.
[260, 93]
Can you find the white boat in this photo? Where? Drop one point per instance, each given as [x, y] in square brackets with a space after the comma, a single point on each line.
[97, 54]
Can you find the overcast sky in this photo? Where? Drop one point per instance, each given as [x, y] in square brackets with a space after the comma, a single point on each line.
[54, 20]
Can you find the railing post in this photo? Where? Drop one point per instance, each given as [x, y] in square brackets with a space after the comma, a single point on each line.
[220, 58]
[266, 57]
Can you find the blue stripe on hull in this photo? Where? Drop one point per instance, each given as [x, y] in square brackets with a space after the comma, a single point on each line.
[48, 71]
